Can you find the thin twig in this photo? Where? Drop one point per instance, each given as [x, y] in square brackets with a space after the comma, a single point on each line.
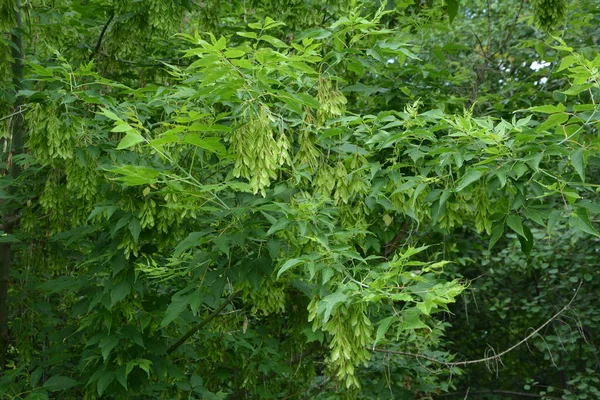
[20, 110]
[489, 18]
[485, 359]
[510, 31]
[159, 63]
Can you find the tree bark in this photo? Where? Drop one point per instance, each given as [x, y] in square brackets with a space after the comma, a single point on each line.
[16, 147]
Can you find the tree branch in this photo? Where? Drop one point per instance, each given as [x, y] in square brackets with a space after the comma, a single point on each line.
[150, 63]
[485, 359]
[21, 109]
[500, 392]
[510, 30]
[202, 324]
[99, 42]
[390, 247]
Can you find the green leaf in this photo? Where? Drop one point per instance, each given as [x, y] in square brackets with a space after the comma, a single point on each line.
[122, 127]
[584, 107]
[472, 175]
[577, 161]
[526, 241]
[279, 225]
[130, 139]
[452, 9]
[145, 366]
[176, 307]
[223, 243]
[27, 93]
[411, 320]
[37, 394]
[111, 115]
[141, 363]
[8, 238]
[121, 376]
[249, 35]
[206, 60]
[308, 100]
[59, 382]
[274, 41]
[330, 302]
[234, 53]
[289, 264]
[212, 144]
[104, 381]
[514, 223]
[553, 121]
[382, 329]
[35, 376]
[349, 148]
[135, 228]
[271, 23]
[192, 240]
[534, 215]
[566, 62]
[119, 292]
[426, 306]
[548, 109]
[316, 33]
[107, 344]
[580, 220]
[64, 284]
[134, 175]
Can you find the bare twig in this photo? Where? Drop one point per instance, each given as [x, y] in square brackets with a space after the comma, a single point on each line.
[485, 359]
[510, 30]
[20, 110]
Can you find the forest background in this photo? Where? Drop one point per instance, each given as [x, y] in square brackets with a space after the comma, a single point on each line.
[299, 199]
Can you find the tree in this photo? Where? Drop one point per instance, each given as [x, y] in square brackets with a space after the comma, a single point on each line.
[214, 203]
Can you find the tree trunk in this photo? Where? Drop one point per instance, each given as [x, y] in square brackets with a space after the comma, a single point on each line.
[16, 147]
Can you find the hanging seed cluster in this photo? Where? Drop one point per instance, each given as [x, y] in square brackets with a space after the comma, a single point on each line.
[333, 102]
[50, 137]
[259, 153]
[351, 332]
[270, 298]
[549, 14]
[308, 153]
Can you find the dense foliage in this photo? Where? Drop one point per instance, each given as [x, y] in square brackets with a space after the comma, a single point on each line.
[299, 199]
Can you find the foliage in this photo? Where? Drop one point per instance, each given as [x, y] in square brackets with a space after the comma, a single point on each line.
[213, 203]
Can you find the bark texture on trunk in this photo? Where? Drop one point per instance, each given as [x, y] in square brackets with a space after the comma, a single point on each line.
[11, 211]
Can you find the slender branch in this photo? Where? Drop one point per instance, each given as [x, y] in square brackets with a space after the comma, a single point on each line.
[510, 30]
[485, 359]
[99, 42]
[19, 110]
[150, 63]
[489, 18]
[390, 247]
[202, 324]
